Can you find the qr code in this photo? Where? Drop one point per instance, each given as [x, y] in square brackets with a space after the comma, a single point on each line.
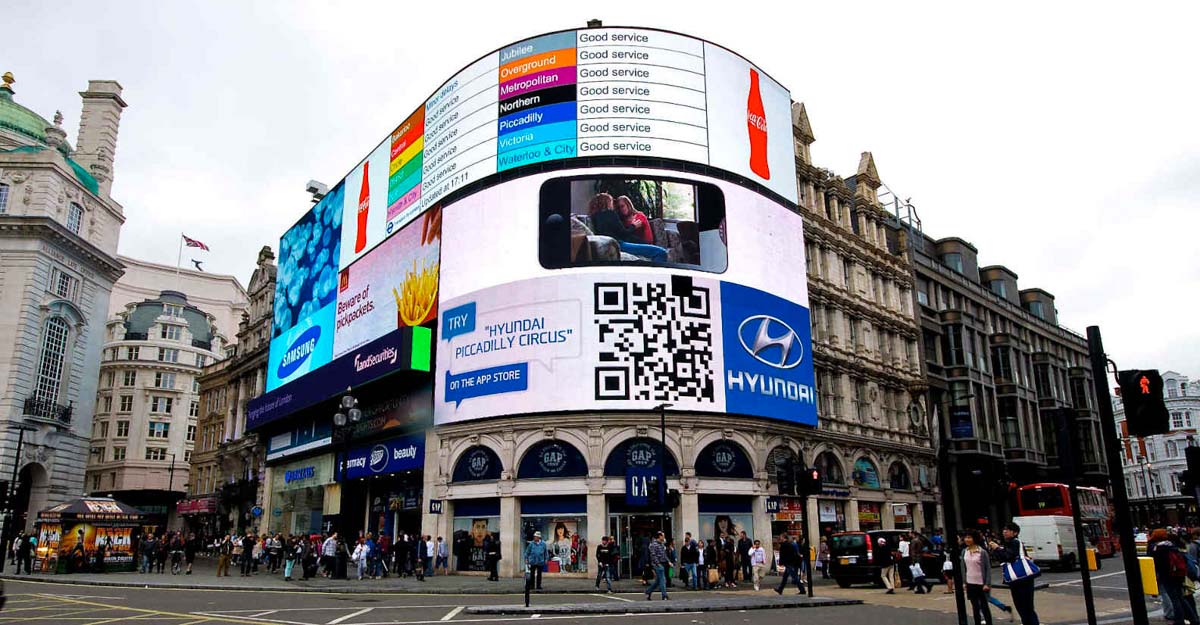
[656, 341]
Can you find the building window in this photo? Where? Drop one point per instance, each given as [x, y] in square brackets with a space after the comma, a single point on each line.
[998, 287]
[64, 284]
[3, 198]
[201, 359]
[1177, 422]
[96, 482]
[1035, 309]
[54, 348]
[98, 454]
[187, 455]
[953, 261]
[191, 433]
[161, 405]
[123, 429]
[132, 353]
[195, 386]
[171, 332]
[1171, 394]
[847, 272]
[194, 409]
[164, 380]
[126, 404]
[159, 429]
[74, 217]
[107, 403]
[173, 310]
[1172, 449]
[168, 354]
[129, 378]
[104, 429]
[156, 453]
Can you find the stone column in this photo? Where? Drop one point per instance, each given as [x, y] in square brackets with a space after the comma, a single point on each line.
[689, 513]
[852, 515]
[762, 524]
[886, 517]
[510, 536]
[268, 502]
[813, 516]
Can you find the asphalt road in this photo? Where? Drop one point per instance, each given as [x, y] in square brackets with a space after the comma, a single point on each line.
[58, 604]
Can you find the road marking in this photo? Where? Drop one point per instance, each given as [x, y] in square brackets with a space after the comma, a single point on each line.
[613, 597]
[1080, 581]
[142, 611]
[503, 619]
[452, 613]
[261, 614]
[349, 616]
[217, 616]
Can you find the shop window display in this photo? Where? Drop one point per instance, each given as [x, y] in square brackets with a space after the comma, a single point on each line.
[566, 541]
[470, 534]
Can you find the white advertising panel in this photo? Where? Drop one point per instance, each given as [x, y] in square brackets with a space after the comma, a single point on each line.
[541, 312]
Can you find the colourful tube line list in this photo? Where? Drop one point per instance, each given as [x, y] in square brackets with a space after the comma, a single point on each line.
[537, 101]
[404, 174]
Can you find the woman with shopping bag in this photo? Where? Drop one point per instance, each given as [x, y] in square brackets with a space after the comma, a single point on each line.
[1019, 572]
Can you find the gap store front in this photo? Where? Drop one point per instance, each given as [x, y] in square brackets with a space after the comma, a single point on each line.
[587, 253]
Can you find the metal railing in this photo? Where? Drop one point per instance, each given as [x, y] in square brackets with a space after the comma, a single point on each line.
[46, 409]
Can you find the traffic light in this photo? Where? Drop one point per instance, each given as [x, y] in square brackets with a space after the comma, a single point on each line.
[1142, 395]
[1189, 479]
[785, 474]
[654, 494]
[673, 499]
[809, 482]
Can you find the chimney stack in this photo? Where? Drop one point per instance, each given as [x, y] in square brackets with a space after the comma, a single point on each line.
[98, 124]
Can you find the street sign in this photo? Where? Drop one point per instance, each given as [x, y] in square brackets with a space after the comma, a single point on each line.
[637, 485]
[435, 506]
[772, 505]
[256, 511]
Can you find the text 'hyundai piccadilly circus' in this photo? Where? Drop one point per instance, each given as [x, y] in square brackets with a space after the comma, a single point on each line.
[576, 237]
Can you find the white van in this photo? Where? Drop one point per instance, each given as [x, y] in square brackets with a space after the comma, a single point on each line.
[1049, 540]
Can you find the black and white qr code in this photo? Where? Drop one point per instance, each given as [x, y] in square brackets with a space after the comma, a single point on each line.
[656, 341]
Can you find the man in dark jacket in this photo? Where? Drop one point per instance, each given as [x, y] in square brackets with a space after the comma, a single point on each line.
[789, 559]
[491, 555]
[712, 561]
[744, 545]
[690, 557]
[1011, 550]
[603, 563]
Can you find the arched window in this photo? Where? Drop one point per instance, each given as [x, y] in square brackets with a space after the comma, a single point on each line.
[477, 464]
[724, 459]
[3, 198]
[641, 453]
[552, 459]
[74, 217]
[50, 365]
[898, 477]
[831, 468]
[865, 474]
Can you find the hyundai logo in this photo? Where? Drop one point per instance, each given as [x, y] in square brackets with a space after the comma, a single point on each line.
[771, 341]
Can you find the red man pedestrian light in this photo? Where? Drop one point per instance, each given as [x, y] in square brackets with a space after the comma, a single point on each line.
[1142, 395]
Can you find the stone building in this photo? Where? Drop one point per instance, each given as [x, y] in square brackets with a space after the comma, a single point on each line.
[227, 465]
[874, 445]
[59, 229]
[148, 400]
[1152, 464]
[997, 361]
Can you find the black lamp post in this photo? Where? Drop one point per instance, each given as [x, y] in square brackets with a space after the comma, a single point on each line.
[344, 419]
[10, 517]
[662, 465]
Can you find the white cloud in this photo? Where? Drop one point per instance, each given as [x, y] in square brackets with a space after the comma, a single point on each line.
[1060, 138]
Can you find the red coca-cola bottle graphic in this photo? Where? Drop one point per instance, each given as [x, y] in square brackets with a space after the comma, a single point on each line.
[756, 125]
[364, 204]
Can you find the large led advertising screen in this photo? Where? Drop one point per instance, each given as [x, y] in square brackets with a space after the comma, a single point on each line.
[366, 261]
[617, 289]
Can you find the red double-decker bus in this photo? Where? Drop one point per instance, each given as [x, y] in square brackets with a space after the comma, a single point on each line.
[1095, 512]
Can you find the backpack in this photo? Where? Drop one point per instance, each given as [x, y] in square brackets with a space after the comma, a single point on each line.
[1177, 564]
[1193, 567]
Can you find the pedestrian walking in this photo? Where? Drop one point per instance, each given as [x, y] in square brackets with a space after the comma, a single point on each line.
[535, 560]
[491, 554]
[190, 547]
[709, 574]
[329, 555]
[1011, 551]
[672, 562]
[657, 556]
[25, 554]
[149, 549]
[359, 557]
[823, 557]
[919, 584]
[885, 558]
[729, 565]
[177, 547]
[430, 555]
[1171, 569]
[291, 553]
[603, 562]
[443, 557]
[789, 559]
[248, 542]
[977, 575]
[948, 573]
[744, 545]
[757, 556]
[162, 552]
[224, 552]
[690, 556]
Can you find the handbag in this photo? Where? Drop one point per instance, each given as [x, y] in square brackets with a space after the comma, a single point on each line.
[1021, 568]
[713, 576]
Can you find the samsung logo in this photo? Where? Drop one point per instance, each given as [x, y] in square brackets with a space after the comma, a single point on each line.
[298, 352]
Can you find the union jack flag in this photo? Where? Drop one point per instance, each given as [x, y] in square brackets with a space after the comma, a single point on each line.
[190, 242]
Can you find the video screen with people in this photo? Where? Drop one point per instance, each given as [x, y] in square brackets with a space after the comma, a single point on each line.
[616, 220]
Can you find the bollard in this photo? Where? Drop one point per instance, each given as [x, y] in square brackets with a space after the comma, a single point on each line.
[1093, 560]
[1149, 580]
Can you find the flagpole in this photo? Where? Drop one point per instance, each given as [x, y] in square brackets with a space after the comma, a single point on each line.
[179, 258]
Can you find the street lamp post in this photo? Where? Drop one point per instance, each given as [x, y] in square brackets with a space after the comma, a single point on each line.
[11, 512]
[662, 465]
[344, 419]
[1152, 516]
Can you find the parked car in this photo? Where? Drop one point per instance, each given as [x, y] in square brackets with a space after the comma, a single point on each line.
[852, 558]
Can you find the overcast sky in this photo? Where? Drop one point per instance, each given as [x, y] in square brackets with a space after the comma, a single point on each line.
[1061, 139]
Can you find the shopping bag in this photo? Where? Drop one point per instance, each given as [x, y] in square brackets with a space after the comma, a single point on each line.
[1022, 568]
[713, 576]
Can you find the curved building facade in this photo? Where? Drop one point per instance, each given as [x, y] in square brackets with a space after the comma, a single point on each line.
[580, 308]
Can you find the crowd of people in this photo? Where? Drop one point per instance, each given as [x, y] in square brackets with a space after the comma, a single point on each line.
[1176, 554]
[330, 555]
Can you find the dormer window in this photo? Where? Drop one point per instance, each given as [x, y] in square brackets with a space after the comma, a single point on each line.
[953, 261]
[1035, 309]
[998, 287]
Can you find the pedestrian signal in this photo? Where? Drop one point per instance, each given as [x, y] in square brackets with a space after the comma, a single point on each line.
[1142, 396]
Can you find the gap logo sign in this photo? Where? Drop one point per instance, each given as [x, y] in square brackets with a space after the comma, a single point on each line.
[768, 358]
